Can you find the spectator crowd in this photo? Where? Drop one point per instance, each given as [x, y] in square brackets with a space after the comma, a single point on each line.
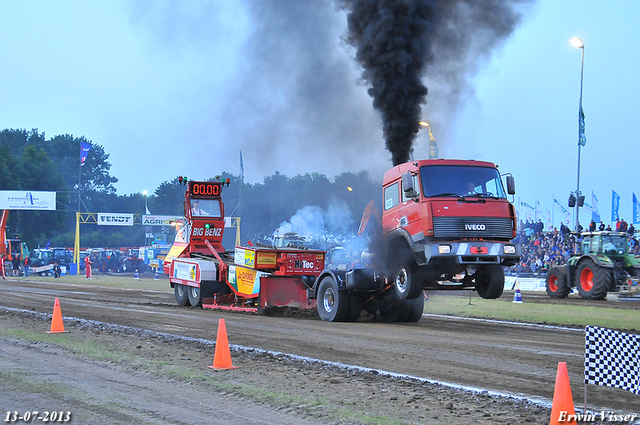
[542, 249]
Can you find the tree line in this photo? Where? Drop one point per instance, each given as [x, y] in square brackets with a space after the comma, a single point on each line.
[31, 162]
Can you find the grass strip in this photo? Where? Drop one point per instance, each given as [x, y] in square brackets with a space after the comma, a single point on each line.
[542, 313]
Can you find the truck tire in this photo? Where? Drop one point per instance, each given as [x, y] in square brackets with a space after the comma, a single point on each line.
[556, 283]
[389, 311]
[592, 280]
[417, 308]
[333, 305]
[195, 296]
[405, 278]
[490, 281]
[393, 309]
[180, 291]
[356, 301]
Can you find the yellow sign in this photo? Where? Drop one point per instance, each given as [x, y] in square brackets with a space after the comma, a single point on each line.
[244, 280]
[266, 259]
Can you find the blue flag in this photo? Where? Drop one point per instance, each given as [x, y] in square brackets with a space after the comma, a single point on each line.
[615, 206]
[241, 168]
[84, 151]
[595, 214]
[582, 139]
[636, 210]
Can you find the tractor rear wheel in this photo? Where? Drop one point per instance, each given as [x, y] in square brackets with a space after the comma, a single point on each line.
[333, 304]
[195, 296]
[181, 294]
[593, 280]
[490, 281]
[556, 283]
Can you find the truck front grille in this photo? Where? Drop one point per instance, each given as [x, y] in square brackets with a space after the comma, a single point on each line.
[473, 227]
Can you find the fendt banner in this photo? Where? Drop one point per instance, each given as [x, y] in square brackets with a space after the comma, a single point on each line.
[115, 219]
[27, 200]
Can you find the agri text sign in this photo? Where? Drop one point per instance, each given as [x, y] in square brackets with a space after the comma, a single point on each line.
[160, 220]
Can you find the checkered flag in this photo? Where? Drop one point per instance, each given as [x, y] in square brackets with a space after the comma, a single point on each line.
[612, 359]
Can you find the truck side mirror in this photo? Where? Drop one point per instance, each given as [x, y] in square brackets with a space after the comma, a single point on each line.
[511, 185]
[407, 186]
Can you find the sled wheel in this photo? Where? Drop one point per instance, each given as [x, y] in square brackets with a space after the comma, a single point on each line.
[182, 297]
[195, 296]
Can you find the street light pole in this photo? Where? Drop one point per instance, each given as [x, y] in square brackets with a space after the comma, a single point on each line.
[577, 42]
[144, 193]
[433, 146]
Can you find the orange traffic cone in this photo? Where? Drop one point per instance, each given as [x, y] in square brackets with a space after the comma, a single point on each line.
[222, 355]
[562, 410]
[56, 321]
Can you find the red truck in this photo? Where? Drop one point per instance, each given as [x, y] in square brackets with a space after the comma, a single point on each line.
[446, 224]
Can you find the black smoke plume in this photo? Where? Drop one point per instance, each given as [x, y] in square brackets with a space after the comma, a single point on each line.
[398, 41]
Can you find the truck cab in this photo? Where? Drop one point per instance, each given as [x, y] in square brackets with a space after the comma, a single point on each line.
[448, 221]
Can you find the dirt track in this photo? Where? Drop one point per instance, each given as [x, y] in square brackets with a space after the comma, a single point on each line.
[501, 357]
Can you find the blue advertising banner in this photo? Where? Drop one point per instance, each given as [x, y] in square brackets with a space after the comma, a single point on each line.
[615, 206]
[595, 214]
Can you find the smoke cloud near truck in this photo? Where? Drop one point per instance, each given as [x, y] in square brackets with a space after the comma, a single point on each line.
[399, 43]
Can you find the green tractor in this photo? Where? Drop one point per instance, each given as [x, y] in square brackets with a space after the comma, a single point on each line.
[601, 264]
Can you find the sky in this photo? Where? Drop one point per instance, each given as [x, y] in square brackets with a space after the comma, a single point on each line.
[173, 88]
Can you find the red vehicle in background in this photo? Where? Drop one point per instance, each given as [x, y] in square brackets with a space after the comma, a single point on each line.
[250, 278]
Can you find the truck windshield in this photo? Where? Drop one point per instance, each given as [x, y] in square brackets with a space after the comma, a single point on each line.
[461, 180]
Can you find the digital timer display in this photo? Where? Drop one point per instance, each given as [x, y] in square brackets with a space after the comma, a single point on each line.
[205, 189]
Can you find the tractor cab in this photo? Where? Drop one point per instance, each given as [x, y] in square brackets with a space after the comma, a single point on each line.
[609, 244]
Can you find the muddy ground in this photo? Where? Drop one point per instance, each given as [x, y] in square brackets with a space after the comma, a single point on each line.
[133, 357]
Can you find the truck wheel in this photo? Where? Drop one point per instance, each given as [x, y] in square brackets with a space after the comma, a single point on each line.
[182, 298]
[406, 282]
[490, 281]
[393, 309]
[417, 308]
[195, 296]
[356, 301]
[557, 283]
[592, 280]
[333, 305]
[389, 312]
